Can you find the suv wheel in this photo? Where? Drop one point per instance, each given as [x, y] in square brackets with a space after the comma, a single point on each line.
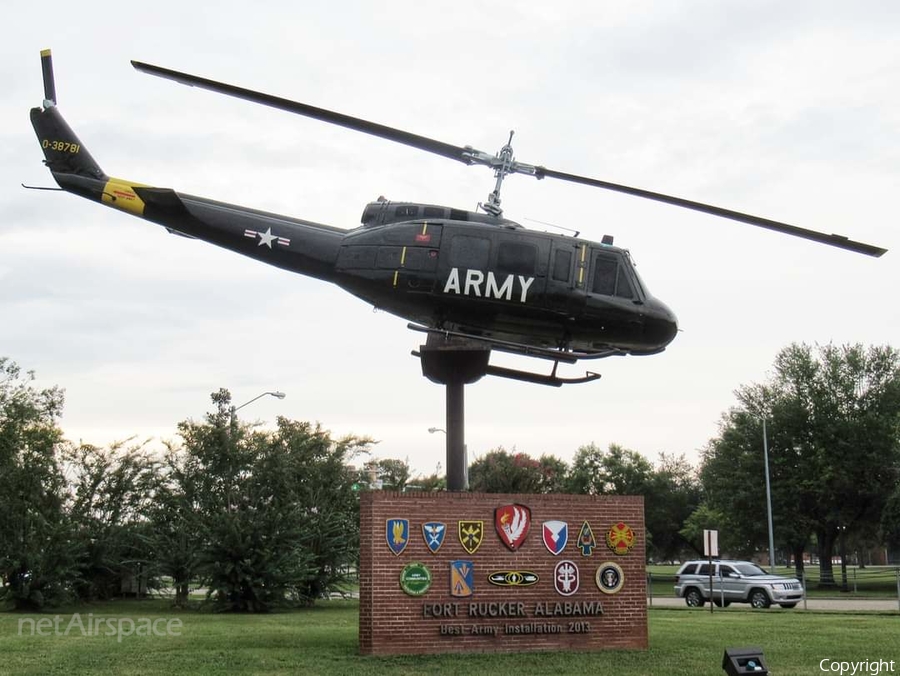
[693, 598]
[759, 599]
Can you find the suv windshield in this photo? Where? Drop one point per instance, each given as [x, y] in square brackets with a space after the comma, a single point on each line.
[749, 569]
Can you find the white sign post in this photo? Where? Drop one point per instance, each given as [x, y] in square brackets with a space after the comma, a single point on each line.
[710, 549]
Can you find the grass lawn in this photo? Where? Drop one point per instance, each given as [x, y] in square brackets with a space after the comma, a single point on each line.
[323, 640]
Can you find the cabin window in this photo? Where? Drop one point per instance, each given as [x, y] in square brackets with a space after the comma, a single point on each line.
[562, 265]
[433, 212]
[406, 211]
[516, 258]
[470, 252]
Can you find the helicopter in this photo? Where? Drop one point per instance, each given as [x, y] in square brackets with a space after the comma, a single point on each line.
[470, 275]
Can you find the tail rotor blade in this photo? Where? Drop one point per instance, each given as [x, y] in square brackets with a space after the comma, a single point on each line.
[49, 84]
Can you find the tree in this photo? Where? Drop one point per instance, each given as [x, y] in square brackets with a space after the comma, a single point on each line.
[430, 483]
[673, 494]
[111, 492]
[833, 425]
[617, 471]
[670, 491]
[554, 474]
[176, 522]
[499, 471]
[394, 474]
[890, 519]
[701, 519]
[276, 510]
[37, 564]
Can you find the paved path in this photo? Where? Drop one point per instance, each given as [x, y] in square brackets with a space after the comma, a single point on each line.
[811, 604]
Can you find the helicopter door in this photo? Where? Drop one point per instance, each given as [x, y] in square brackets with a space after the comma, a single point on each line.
[566, 277]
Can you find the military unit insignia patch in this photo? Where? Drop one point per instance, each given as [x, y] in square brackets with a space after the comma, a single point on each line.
[513, 578]
[462, 578]
[555, 535]
[471, 534]
[566, 578]
[415, 578]
[512, 523]
[586, 539]
[620, 538]
[397, 534]
[434, 532]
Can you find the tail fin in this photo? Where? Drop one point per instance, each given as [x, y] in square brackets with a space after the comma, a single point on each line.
[63, 151]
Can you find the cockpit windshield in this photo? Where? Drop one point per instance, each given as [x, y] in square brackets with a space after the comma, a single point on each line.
[614, 275]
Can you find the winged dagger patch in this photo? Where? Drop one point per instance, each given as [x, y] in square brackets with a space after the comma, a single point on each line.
[512, 523]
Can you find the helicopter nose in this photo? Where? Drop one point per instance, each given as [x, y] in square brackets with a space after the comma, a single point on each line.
[661, 324]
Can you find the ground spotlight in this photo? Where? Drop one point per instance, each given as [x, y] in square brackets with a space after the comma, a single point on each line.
[744, 661]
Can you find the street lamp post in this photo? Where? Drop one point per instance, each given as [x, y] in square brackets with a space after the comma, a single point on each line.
[768, 498]
[277, 395]
[232, 434]
[843, 536]
[461, 478]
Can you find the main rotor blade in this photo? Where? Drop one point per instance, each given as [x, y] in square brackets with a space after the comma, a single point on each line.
[468, 155]
[833, 240]
[421, 142]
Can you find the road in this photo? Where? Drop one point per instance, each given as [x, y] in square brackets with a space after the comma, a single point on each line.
[835, 604]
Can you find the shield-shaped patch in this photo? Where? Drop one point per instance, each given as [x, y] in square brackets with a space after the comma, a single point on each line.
[512, 523]
[434, 532]
[396, 532]
[471, 533]
[555, 535]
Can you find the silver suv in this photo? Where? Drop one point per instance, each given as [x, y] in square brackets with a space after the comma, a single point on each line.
[735, 582]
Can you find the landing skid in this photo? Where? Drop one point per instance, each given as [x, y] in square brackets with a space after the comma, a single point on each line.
[557, 356]
[566, 356]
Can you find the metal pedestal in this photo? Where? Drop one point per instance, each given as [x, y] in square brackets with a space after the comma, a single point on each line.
[454, 363]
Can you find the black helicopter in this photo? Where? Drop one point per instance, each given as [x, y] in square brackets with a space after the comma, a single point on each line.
[468, 274]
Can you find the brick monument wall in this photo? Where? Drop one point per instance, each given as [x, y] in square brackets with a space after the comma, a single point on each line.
[493, 598]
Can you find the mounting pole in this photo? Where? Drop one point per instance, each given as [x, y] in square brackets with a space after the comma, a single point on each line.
[456, 442]
[454, 363]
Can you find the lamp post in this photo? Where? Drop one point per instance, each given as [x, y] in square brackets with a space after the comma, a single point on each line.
[465, 462]
[235, 409]
[843, 536]
[768, 498]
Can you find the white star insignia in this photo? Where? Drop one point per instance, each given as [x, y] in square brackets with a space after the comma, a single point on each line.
[266, 238]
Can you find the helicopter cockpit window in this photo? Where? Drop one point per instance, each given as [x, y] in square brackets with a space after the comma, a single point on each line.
[516, 258]
[470, 252]
[610, 278]
[623, 286]
[605, 269]
[433, 212]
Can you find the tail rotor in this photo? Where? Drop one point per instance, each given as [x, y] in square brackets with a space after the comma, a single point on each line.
[49, 83]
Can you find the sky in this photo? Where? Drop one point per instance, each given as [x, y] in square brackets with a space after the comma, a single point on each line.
[789, 111]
